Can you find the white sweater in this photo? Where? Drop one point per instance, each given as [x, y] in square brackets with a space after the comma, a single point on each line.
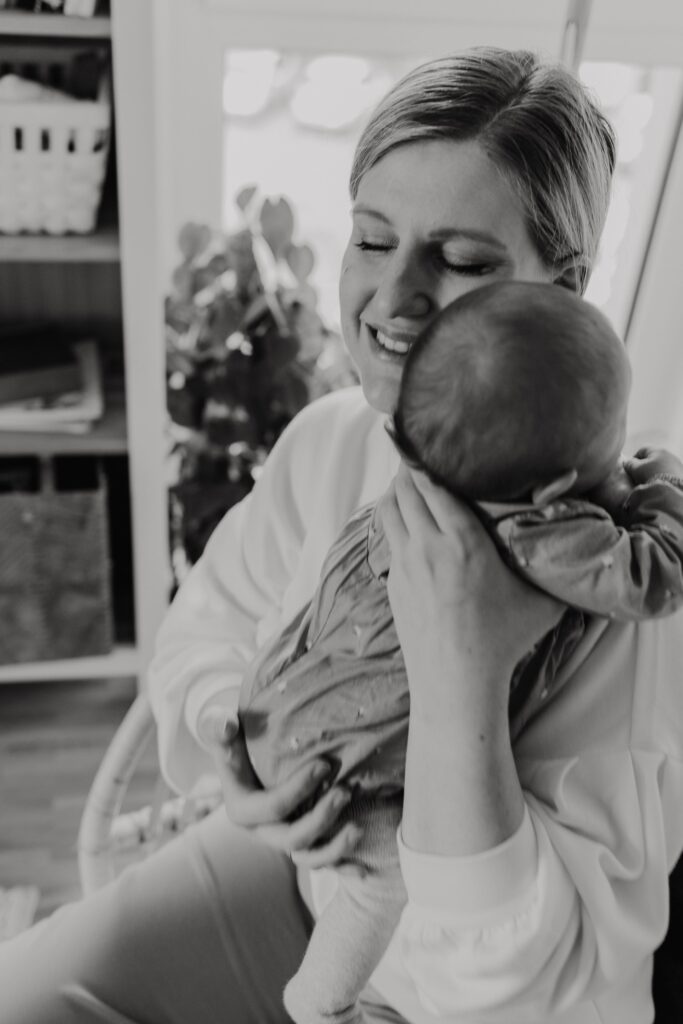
[558, 924]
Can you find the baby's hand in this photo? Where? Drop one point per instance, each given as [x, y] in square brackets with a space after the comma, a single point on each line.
[653, 462]
[612, 492]
[647, 464]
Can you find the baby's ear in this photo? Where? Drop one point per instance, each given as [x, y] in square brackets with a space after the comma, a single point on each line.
[545, 493]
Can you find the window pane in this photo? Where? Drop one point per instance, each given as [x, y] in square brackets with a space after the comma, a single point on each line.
[643, 105]
[292, 121]
[291, 127]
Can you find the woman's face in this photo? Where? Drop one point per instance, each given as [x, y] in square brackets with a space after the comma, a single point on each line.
[431, 220]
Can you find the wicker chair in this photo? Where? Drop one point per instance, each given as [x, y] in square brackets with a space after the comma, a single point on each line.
[110, 836]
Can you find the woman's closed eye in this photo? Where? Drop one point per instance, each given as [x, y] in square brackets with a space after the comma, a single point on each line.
[468, 268]
[471, 264]
[366, 246]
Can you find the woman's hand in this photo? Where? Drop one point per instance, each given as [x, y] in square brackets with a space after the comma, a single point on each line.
[461, 615]
[464, 620]
[310, 837]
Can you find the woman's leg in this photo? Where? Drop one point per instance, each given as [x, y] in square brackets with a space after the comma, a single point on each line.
[209, 929]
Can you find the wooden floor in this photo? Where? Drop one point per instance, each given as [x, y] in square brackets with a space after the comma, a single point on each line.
[52, 738]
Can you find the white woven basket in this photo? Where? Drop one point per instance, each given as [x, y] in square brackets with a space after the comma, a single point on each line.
[53, 154]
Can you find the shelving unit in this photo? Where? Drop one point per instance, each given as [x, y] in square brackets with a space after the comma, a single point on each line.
[124, 660]
[110, 277]
[100, 247]
[108, 436]
[55, 26]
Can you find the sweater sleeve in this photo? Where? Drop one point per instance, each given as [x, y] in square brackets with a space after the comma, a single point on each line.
[575, 902]
[629, 570]
[211, 630]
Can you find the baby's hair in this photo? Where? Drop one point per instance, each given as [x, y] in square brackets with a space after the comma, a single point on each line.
[511, 386]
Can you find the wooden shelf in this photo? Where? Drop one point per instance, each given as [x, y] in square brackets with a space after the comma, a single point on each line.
[110, 286]
[100, 247]
[124, 660]
[55, 26]
[108, 437]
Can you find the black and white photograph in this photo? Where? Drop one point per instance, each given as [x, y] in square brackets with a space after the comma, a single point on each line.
[341, 512]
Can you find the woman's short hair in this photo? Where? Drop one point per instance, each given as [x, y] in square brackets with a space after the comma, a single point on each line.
[538, 124]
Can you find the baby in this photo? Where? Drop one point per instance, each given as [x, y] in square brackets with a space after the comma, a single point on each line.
[514, 399]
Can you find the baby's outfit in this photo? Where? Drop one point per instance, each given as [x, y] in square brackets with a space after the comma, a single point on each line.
[333, 685]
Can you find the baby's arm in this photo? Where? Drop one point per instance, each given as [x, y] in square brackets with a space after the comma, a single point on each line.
[619, 554]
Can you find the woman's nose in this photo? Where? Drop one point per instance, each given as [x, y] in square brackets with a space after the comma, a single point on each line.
[402, 291]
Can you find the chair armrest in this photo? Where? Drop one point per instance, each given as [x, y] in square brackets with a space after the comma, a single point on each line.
[107, 794]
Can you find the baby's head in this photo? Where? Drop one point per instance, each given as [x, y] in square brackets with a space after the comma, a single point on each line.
[510, 388]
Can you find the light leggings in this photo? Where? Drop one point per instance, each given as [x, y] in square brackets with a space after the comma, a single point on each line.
[206, 931]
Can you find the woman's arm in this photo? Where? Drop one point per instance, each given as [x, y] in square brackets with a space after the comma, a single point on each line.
[204, 646]
[568, 911]
[209, 634]
[544, 887]
[260, 560]
[463, 622]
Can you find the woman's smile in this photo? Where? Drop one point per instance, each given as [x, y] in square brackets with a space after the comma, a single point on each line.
[389, 344]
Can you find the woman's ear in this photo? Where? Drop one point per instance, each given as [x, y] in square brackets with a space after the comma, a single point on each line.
[570, 273]
[545, 493]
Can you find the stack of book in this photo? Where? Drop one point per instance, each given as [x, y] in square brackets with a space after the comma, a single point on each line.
[48, 382]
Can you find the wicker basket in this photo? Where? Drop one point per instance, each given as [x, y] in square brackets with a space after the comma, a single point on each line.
[55, 594]
[53, 154]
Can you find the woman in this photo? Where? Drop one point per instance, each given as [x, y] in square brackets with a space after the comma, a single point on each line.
[537, 883]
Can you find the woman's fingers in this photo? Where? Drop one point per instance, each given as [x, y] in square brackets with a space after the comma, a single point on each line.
[270, 811]
[448, 513]
[216, 726]
[414, 507]
[416, 512]
[242, 794]
[318, 822]
[309, 830]
[390, 516]
[246, 802]
[333, 853]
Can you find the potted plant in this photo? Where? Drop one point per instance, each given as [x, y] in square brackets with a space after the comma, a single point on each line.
[246, 350]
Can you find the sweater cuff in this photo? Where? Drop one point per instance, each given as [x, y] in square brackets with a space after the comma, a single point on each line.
[220, 692]
[473, 886]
